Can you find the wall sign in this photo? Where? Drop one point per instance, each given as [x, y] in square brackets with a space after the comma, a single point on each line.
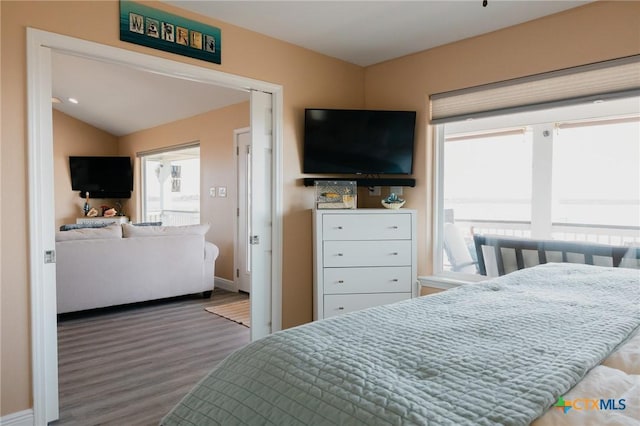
[164, 31]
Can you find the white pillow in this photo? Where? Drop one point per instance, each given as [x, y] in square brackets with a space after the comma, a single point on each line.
[112, 231]
[130, 231]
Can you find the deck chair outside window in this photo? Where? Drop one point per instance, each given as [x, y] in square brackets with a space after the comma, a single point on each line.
[457, 251]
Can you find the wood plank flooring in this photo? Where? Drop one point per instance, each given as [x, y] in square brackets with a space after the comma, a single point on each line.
[131, 365]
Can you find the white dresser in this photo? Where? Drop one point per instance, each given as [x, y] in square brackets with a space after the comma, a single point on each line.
[102, 219]
[362, 258]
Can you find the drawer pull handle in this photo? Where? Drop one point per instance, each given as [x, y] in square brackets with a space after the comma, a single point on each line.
[395, 253]
[340, 281]
[395, 280]
[339, 254]
[394, 227]
[341, 308]
[339, 227]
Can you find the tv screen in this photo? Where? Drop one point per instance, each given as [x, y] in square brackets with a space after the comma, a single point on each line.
[102, 177]
[358, 141]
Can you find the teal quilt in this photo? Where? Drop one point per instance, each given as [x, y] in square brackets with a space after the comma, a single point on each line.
[499, 352]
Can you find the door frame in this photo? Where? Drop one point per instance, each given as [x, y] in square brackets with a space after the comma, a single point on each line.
[41, 198]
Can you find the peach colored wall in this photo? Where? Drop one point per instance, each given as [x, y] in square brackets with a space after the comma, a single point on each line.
[595, 32]
[308, 79]
[214, 130]
[75, 137]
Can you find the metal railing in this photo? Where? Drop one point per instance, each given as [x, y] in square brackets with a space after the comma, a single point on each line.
[602, 234]
[599, 234]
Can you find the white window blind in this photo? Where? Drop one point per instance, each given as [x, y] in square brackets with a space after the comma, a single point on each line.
[603, 80]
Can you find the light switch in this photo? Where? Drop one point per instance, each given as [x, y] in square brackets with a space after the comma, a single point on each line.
[212, 192]
[222, 191]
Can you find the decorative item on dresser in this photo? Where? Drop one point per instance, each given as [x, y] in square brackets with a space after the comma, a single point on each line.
[102, 219]
[363, 258]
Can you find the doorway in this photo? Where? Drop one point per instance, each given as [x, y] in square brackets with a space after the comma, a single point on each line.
[243, 227]
[42, 246]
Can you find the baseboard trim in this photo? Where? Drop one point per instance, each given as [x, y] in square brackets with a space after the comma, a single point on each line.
[225, 284]
[20, 418]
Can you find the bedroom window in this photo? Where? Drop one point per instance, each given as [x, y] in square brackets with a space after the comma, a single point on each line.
[565, 174]
[171, 185]
[541, 168]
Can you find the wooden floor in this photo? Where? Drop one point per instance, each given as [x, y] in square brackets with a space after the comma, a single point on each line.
[130, 366]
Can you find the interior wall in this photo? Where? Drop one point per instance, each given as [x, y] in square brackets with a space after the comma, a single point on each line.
[72, 137]
[214, 130]
[596, 32]
[309, 79]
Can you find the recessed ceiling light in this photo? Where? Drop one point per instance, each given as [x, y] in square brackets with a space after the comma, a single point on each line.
[55, 100]
[72, 100]
[598, 101]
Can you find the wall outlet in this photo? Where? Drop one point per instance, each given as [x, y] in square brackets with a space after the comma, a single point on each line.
[374, 191]
[222, 191]
[212, 192]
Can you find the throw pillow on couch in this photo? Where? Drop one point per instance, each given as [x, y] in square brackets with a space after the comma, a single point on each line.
[107, 232]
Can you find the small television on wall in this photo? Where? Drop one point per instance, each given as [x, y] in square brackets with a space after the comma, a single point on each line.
[102, 177]
[367, 142]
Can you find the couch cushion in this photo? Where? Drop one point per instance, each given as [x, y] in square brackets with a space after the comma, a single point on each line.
[108, 232]
[129, 231]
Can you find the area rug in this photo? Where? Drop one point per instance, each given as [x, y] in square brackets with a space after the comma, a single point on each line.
[235, 311]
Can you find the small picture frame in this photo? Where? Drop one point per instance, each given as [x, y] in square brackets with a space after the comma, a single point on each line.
[340, 194]
[196, 40]
[182, 36]
[136, 23]
[209, 43]
[153, 28]
[168, 32]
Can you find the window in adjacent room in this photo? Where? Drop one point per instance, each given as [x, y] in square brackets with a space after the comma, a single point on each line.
[171, 186]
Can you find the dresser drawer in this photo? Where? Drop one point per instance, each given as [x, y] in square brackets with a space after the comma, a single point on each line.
[391, 226]
[366, 253]
[336, 304]
[367, 280]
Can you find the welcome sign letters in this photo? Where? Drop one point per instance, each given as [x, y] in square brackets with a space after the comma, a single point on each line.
[164, 31]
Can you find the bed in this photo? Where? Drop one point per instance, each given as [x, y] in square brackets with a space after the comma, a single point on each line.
[508, 351]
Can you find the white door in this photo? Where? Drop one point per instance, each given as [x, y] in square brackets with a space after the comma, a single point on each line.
[260, 213]
[243, 253]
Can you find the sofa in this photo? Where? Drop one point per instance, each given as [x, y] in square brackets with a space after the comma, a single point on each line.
[119, 264]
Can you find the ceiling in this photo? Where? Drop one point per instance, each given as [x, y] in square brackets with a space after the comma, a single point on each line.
[368, 32]
[122, 100]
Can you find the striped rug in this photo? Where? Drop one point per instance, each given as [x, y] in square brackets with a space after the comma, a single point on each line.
[234, 311]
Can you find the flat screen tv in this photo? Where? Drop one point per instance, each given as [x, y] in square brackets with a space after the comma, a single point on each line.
[102, 177]
[358, 141]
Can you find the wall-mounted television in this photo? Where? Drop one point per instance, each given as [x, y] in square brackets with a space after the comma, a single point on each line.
[102, 177]
[367, 142]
